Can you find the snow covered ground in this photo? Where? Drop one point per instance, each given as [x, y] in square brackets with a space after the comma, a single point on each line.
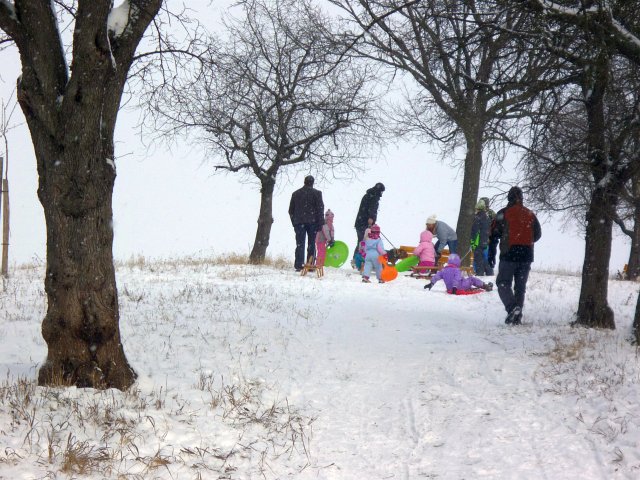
[256, 372]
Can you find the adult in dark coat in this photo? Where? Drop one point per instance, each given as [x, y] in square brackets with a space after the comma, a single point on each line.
[306, 211]
[516, 229]
[368, 210]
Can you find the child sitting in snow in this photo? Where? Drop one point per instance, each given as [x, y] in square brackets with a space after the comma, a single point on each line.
[373, 248]
[454, 280]
[425, 250]
[324, 238]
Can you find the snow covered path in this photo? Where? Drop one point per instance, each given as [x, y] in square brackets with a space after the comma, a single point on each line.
[431, 386]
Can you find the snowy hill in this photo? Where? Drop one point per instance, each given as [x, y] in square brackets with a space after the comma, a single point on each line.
[255, 372]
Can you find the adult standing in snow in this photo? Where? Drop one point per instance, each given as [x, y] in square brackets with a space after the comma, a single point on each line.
[306, 211]
[447, 236]
[368, 210]
[516, 229]
[480, 240]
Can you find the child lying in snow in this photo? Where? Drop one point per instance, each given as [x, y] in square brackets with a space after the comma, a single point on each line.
[454, 280]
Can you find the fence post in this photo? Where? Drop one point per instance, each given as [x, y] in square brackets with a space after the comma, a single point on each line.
[4, 210]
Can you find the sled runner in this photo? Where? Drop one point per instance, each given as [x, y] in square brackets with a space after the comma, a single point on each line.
[310, 266]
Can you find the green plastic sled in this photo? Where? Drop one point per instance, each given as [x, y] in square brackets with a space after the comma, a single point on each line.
[337, 255]
[406, 263]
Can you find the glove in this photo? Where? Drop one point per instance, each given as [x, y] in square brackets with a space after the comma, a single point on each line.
[331, 243]
[454, 290]
[428, 286]
[492, 261]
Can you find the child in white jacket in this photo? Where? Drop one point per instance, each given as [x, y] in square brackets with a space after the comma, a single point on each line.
[324, 237]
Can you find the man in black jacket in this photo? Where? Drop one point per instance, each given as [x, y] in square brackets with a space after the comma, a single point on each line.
[368, 210]
[306, 211]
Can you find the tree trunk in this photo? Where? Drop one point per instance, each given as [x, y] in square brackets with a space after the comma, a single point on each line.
[633, 264]
[636, 323]
[71, 110]
[470, 188]
[81, 326]
[265, 221]
[593, 309]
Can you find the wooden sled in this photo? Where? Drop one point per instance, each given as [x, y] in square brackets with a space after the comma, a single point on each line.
[310, 266]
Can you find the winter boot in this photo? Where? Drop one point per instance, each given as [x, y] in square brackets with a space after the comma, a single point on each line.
[514, 317]
[380, 280]
[488, 286]
[366, 280]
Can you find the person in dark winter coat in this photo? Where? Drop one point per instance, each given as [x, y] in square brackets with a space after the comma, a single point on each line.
[368, 210]
[306, 211]
[516, 229]
[480, 230]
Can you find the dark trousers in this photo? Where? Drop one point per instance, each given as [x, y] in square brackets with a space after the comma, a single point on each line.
[481, 262]
[308, 231]
[516, 274]
[360, 233]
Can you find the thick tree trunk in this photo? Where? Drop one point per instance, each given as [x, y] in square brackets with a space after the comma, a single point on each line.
[636, 323]
[633, 264]
[470, 188]
[265, 221]
[593, 309]
[71, 110]
[81, 326]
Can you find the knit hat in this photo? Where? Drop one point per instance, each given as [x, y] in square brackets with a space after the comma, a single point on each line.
[374, 231]
[481, 205]
[379, 186]
[431, 220]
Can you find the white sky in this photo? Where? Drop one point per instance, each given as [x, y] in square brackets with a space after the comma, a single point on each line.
[172, 203]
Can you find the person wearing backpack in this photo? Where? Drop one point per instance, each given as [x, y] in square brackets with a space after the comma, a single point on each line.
[515, 229]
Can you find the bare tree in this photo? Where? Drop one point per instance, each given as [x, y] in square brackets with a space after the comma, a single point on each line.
[279, 93]
[71, 111]
[473, 74]
[591, 36]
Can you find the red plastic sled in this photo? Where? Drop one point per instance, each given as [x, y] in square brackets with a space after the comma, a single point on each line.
[473, 291]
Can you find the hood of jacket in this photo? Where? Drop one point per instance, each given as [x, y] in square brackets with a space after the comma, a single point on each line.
[454, 260]
[426, 236]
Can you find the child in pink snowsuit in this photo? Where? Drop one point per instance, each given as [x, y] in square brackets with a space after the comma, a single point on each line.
[324, 237]
[425, 250]
[454, 280]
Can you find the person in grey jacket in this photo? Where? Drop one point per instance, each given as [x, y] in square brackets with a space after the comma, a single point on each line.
[445, 234]
[306, 211]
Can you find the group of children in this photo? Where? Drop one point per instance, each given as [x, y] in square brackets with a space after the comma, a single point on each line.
[372, 246]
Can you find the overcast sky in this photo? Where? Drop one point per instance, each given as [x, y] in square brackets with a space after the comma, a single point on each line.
[170, 203]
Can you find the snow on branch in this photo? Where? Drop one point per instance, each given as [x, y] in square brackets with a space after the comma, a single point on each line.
[118, 18]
